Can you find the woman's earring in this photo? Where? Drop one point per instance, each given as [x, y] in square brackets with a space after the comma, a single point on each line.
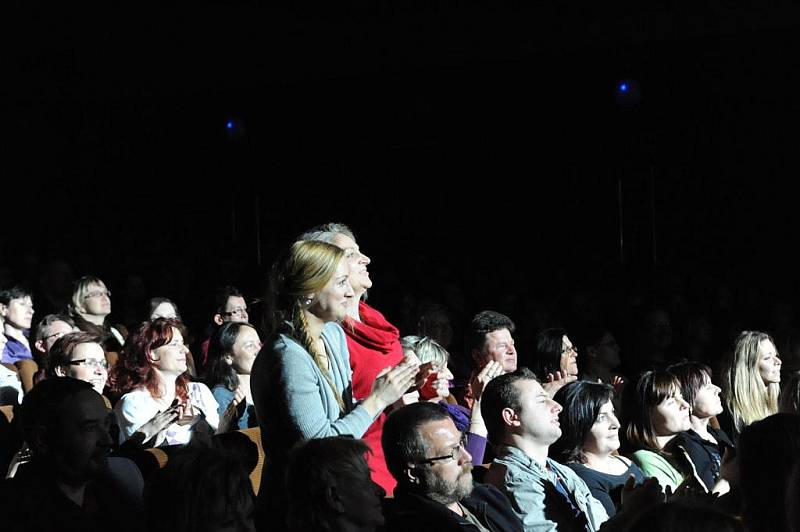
[307, 302]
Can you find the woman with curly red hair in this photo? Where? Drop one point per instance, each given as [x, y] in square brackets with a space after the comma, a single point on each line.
[151, 374]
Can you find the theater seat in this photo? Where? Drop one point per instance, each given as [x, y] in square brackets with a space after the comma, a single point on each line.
[26, 369]
[8, 412]
[247, 443]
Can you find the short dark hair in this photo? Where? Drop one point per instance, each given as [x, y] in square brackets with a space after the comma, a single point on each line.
[401, 439]
[483, 323]
[314, 466]
[43, 406]
[547, 356]
[581, 402]
[47, 321]
[14, 292]
[692, 376]
[222, 295]
[202, 483]
[500, 393]
[61, 352]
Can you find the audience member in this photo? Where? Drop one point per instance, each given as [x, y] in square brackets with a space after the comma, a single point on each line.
[203, 488]
[436, 388]
[590, 439]
[487, 339]
[16, 309]
[330, 489]
[523, 422]
[705, 445]
[229, 305]
[70, 483]
[766, 449]
[656, 412]
[90, 308]
[750, 381]
[79, 355]
[435, 491]
[373, 342]
[152, 376]
[231, 353]
[301, 380]
[555, 361]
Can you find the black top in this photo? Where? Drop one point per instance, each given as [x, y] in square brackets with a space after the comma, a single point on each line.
[410, 511]
[705, 455]
[605, 487]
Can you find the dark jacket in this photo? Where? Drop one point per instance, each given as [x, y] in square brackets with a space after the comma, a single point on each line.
[705, 456]
[412, 512]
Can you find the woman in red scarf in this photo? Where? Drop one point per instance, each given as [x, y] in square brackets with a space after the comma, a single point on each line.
[373, 342]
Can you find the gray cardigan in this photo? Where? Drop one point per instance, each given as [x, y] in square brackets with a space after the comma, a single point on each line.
[294, 401]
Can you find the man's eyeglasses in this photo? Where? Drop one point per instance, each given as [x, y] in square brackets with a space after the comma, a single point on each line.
[57, 335]
[89, 363]
[570, 349]
[454, 454]
[98, 293]
[237, 312]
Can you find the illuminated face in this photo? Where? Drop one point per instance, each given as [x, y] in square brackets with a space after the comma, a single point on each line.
[235, 309]
[769, 364]
[603, 438]
[538, 413]
[331, 303]
[449, 477]
[706, 401]
[245, 349]
[18, 313]
[499, 346]
[171, 358]
[569, 357]
[359, 275]
[53, 332]
[97, 301]
[164, 310]
[671, 415]
[88, 364]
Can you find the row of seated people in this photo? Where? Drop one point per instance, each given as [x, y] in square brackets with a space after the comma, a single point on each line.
[71, 482]
[316, 378]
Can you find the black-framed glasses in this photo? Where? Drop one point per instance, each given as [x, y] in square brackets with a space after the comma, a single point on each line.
[237, 312]
[454, 454]
[89, 363]
[54, 335]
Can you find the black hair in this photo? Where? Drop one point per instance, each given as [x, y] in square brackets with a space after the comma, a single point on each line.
[483, 323]
[581, 402]
[501, 393]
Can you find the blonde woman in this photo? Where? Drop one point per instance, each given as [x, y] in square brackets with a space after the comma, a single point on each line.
[436, 389]
[89, 308]
[301, 380]
[751, 381]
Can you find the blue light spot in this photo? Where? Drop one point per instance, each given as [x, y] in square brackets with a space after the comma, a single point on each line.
[229, 125]
[623, 87]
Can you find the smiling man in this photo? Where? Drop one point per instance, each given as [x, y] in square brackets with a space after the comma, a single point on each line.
[522, 421]
[488, 339]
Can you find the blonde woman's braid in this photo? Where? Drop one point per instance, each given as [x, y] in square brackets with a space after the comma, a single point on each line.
[301, 331]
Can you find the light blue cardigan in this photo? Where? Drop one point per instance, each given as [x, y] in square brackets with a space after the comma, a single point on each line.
[294, 401]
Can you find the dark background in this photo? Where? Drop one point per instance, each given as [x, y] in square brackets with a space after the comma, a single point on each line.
[479, 152]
